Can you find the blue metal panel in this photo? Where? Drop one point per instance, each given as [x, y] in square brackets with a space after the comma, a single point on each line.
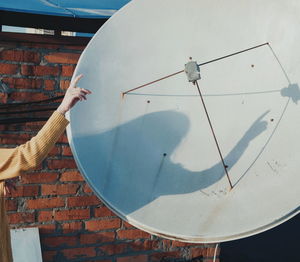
[73, 8]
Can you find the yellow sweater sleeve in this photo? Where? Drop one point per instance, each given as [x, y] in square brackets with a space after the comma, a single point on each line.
[29, 155]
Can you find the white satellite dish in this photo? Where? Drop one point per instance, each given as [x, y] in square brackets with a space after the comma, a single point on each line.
[150, 154]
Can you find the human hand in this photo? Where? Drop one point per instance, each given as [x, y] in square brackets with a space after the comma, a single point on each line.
[72, 96]
[257, 127]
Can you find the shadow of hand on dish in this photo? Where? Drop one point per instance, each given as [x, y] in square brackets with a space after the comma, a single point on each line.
[130, 165]
[292, 91]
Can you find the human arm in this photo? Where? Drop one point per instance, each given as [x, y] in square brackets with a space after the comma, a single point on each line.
[15, 161]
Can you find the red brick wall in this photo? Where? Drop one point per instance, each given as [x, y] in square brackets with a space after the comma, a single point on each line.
[74, 224]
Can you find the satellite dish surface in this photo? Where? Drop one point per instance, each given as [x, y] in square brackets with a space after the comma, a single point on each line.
[150, 153]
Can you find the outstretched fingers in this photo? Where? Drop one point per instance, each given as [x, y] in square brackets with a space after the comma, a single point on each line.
[76, 80]
[81, 93]
[85, 91]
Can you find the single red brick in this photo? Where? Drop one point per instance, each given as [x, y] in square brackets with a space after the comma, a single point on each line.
[30, 70]
[27, 96]
[71, 227]
[60, 241]
[64, 189]
[97, 225]
[11, 205]
[138, 258]
[87, 189]
[67, 70]
[49, 84]
[103, 212]
[20, 56]
[95, 238]
[79, 252]
[79, 201]
[62, 58]
[72, 214]
[114, 249]
[37, 178]
[71, 176]
[132, 234]
[48, 256]
[23, 191]
[46, 216]
[19, 218]
[61, 163]
[64, 84]
[42, 203]
[46, 70]
[66, 151]
[9, 69]
[23, 83]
